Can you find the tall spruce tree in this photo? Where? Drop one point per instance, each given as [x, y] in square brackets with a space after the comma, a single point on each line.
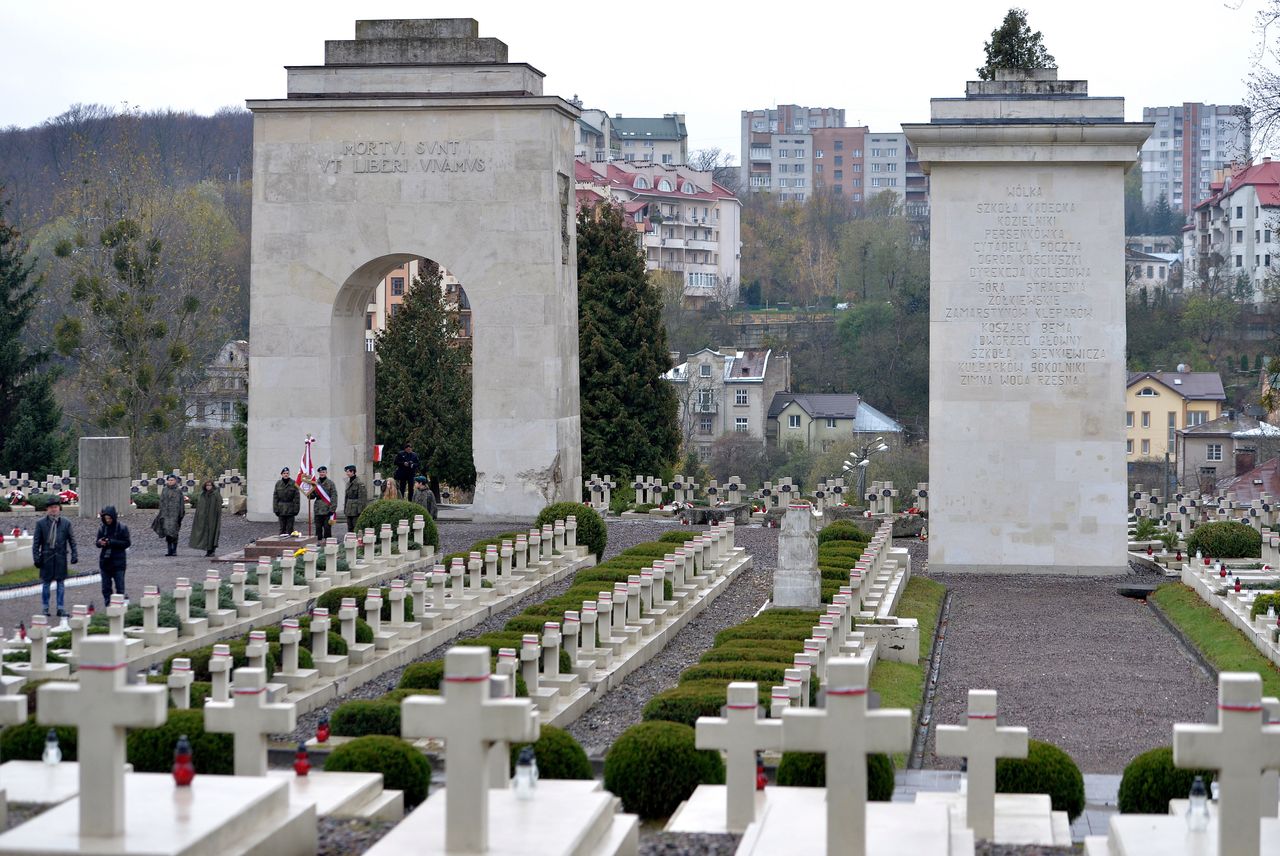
[1014, 45]
[629, 423]
[423, 383]
[31, 435]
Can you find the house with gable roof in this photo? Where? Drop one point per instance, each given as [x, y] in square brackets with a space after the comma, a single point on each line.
[1160, 404]
[1233, 232]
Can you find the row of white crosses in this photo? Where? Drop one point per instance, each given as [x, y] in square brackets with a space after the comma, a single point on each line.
[829, 492]
[847, 732]
[776, 496]
[650, 490]
[51, 483]
[880, 497]
[618, 621]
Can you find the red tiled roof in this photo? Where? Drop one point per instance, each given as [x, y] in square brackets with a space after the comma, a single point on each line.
[1243, 486]
[1264, 177]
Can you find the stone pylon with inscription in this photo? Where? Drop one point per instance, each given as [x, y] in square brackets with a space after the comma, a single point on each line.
[1027, 325]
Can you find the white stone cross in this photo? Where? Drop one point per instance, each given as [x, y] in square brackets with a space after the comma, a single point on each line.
[740, 733]
[250, 719]
[101, 707]
[1240, 746]
[982, 742]
[846, 732]
[469, 722]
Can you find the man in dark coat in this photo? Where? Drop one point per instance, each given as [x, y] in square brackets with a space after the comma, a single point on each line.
[173, 507]
[355, 498]
[424, 496]
[113, 540]
[207, 526]
[53, 536]
[324, 510]
[406, 468]
[285, 502]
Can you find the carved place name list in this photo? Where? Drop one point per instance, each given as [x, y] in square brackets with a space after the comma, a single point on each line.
[387, 157]
[1028, 298]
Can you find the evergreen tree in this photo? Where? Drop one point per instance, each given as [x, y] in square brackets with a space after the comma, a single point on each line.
[31, 435]
[423, 383]
[1014, 45]
[1164, 220]
[629, 422]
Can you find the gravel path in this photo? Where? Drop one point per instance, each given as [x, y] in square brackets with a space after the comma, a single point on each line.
[621, 707]
[1078, 664]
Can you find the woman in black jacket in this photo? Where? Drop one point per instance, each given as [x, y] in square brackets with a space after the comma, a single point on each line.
[113, 540]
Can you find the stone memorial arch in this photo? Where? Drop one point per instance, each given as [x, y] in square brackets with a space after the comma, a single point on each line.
[416, 139]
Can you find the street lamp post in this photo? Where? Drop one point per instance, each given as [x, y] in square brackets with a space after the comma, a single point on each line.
[860, 459]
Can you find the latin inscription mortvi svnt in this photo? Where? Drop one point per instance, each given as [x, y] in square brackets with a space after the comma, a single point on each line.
[378, 157]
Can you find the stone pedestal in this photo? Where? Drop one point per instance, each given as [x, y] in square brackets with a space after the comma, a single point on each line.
[272, 547]
[796, 582]
[1027, 326]
[105, 467]
[475, 165]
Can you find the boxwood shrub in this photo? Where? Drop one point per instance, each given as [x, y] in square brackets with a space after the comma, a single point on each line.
[332, 601]
[691, 699]
[1150, 780]
[146, 500]
[842, 530]
[25, 742]
[654, 766]
[403, 767]
[591, 529]
[150, 750]
[392, 511]
[743, 670]
[559, 756]
[361, 717]
[1225, 540]
[1046, 770]
[809, 770]
[678, 536]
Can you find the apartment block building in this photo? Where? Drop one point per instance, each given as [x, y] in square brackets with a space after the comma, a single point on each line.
[1158, 405]
[1232, 234]
[727, 391]
[1189, 143]
[599, 137]
[778, 148]
[838, 161]
[688, 224]
[391, 290]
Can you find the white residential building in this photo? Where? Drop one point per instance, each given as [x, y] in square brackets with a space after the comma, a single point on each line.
[727, 391]
[1233, 234]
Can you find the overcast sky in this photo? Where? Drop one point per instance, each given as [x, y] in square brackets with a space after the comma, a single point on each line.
[880, 61]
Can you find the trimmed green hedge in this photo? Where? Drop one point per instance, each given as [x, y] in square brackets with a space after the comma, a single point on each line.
[1046, 770]
[842, 530]
[591, 529]
[150, 750]
[678, 536]
[689, 700]
[361, 717]
[1150, 780]
[25, 742]
[1225, 540]
[558, 755]
[654, 766]
[403, 767]
[809, 770]
[392, 511]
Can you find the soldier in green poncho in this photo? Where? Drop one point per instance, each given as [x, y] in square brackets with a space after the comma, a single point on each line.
[208, 518]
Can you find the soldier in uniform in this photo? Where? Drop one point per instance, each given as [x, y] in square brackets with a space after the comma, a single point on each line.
[355, 499]
[285, 501]
[324, 510]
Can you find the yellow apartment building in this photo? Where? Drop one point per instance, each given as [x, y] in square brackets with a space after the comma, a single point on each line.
[1160, 404]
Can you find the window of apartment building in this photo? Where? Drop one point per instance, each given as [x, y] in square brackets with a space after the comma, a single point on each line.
[839, 188]
[857, 167]
[1161, 272]
[818, 153]
[1151, 271]
[395, 309]
[397, 286]
[857, 197]
[839, 145]
[784, 182]
[740, 424]
[891, 182]
[875, 182]
[857, 182]
[1146, 419]
[1266, 260]
[739, 396]
[648, 144]
[1128, 419]
[891, 167]
[817, 168]
[1239, 208]
[704, 424]
[704, 400]
[784, 153]
[704, 370]
[1239, 261]
[368, 321]
[877, 167]
[1173, 426]
[1146, 447]
[857, 153]
[1128, 447]
[1213, 452]
[1197, 417]
[1239, 236]
[666, 159]
[793, 421]
[876, 153]
[799, 197]
[831, 423]
[839, 160]
[799, 182]
[839, 174]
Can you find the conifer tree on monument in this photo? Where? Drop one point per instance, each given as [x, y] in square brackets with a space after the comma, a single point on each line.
[629, 423]
[1014, 45]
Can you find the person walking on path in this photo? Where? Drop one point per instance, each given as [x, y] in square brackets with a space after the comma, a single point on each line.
[285, 502]
[173, 507]
[424, 496]
[207, 525]
[53, 536]
[113, 540]
[406, 468]
[355, 499]
[324, 510]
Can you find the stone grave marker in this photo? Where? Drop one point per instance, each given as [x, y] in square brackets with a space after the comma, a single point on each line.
[981, 741]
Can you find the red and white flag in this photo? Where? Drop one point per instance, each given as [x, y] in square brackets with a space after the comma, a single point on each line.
[305, 471]
[377, 453]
